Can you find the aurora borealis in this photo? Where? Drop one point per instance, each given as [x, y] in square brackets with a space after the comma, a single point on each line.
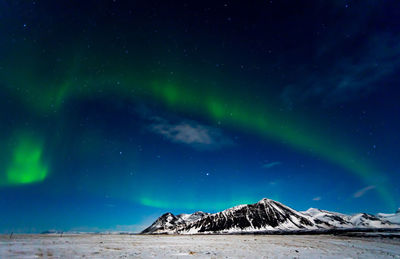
[113, 112]
[26, 166]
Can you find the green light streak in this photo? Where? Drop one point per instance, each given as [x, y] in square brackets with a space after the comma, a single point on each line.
[26, 166]
[191, 205]
[48, 94]
[270, 126]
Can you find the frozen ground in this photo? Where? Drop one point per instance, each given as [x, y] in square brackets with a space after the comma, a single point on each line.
[207, 246]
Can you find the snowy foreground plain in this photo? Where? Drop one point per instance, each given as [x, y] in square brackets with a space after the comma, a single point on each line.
[199, 246]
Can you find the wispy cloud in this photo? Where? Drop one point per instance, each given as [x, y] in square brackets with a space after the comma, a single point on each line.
[271, 164]
[361, 192]
[318, 198]
[190, 133]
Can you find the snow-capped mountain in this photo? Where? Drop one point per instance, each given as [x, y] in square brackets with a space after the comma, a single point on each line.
[188, 218]
[365, 220]
[166, 223]
[328, 219]
[169, 223]
[394, 217]
[265, 215]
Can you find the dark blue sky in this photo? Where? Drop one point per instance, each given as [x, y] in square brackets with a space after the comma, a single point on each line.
[114, 112]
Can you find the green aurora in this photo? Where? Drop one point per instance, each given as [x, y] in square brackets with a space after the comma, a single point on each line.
[252, 117]
[26, 166]
[44, 81]
[114, 112]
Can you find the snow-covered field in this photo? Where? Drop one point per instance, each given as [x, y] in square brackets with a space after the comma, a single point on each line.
[205, 246]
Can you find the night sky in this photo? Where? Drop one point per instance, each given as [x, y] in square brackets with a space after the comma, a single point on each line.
[114, 112]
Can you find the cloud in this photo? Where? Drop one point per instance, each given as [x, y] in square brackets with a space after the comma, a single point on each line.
[190, 133]
[361, 192]
[318, 198]
[272, 164]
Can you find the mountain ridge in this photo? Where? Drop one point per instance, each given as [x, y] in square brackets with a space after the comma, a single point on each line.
[265, 215]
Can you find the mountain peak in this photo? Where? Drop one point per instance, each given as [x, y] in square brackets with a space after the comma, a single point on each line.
[167, 214]
[263, 215]
[265, 200]
[312, 211]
